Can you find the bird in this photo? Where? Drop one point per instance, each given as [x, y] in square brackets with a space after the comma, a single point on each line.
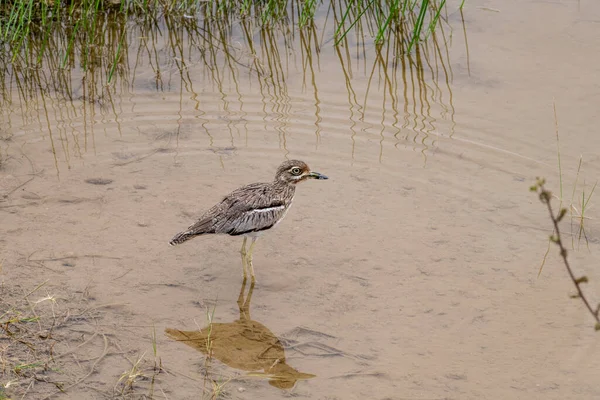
[251, 210]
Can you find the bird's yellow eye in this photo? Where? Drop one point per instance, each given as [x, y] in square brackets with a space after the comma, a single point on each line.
[296, 171]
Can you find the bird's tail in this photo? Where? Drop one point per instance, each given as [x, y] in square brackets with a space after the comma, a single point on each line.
[182, 237]
[204, 225]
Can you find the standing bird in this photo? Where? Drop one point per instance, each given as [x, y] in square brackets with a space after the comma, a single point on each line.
[252, 209]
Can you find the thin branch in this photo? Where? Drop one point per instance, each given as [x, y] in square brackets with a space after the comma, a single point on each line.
[546, 198]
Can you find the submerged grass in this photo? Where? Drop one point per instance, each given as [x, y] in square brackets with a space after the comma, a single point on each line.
[213, 389]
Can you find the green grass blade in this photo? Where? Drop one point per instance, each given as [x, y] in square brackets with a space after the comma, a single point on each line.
[307, 13]
[360, 14]
[558, 153]
[418, 24]
[590, 195]
[434, 21]
[341, 23]
[392, 14]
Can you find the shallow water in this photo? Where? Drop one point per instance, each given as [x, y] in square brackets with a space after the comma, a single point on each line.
[410, 273]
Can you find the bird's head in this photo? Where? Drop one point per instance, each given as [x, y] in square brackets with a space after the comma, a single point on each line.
[295, 171]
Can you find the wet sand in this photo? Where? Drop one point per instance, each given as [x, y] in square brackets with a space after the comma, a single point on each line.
[412, 273]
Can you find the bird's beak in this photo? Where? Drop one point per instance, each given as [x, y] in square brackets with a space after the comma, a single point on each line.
[316, 175]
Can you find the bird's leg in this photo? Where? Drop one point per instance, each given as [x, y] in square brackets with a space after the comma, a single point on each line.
[244, 303]
[247, 302]
[249, 259]
[243, 252]
[241, 301]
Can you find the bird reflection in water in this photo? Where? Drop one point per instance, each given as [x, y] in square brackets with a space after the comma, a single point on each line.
[244, 344]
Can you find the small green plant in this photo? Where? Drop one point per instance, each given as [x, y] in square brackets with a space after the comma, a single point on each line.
[545, 197]
[139, 371]
[578, 215]
[129, 377]
[213, 388]
[154, 345]
[209, 324]
[3, 395]
[217, 388]
[388, 18]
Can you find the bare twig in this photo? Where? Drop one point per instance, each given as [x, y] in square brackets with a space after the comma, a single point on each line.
[18, 187]
[35, 289]
[73, 258]
[137, 159]
[546, 198]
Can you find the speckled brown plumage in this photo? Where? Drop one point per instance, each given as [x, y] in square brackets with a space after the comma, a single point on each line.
[252, 208]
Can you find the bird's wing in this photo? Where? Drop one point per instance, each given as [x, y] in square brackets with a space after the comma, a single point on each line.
[248, 209]
[203, 225]
[252, 220]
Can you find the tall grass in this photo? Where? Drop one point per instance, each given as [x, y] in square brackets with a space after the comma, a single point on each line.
[84, 22]
[95, 55]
